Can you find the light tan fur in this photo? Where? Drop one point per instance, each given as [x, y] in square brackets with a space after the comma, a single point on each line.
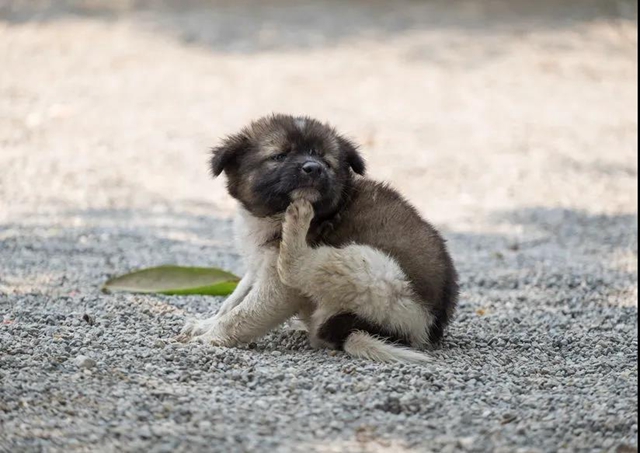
[365, 346]
[356, 278]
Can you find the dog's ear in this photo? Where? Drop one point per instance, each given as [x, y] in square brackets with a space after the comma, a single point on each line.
[354, 159]
[228, 152]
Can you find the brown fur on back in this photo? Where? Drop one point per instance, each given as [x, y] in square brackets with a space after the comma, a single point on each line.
[378, 216]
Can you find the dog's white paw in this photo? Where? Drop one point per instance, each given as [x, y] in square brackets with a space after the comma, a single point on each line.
[299, 213]
[193, 328]
[214, 337]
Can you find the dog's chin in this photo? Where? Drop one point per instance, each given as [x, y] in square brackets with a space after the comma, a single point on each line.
[306, 193]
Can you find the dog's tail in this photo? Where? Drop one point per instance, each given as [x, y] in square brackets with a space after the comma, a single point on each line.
[363, 345]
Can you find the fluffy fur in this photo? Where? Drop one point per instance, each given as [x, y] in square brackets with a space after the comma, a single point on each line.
[349, 256]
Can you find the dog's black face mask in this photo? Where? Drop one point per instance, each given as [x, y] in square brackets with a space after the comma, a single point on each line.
[280, 158]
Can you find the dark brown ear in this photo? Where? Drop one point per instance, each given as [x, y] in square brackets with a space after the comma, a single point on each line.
[228, 152]
[354, 159]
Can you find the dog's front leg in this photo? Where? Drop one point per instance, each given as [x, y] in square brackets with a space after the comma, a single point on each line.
[241, 291]
[268, 304]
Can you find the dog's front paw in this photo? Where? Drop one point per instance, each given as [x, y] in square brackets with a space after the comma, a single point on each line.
[299, 213]
[213, 337]
[193, 328]
[187, 331]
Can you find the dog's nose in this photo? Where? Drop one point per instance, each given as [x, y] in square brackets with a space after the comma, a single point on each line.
[311, 168]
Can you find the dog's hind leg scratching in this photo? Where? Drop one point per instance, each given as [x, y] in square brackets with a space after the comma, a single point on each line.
[359, 291]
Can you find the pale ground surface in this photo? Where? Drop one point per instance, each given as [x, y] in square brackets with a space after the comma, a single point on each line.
[513, 128]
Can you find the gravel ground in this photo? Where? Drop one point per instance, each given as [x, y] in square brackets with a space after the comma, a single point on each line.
[511, 125]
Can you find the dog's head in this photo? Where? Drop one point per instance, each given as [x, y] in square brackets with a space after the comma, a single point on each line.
[280, 158]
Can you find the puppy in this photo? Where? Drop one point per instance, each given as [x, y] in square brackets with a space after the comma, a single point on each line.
[349, 256]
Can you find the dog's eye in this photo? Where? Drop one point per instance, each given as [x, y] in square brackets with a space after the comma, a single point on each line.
[279, 157]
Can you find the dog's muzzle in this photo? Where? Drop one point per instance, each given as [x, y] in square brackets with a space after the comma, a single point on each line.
[312, 171]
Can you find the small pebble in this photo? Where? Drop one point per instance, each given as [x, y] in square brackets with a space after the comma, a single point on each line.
[84, 362]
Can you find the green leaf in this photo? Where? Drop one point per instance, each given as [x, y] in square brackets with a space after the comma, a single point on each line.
[175, 280]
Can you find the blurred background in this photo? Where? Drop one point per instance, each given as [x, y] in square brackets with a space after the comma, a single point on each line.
[496, 118]
[470, 107]
[510, 124]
